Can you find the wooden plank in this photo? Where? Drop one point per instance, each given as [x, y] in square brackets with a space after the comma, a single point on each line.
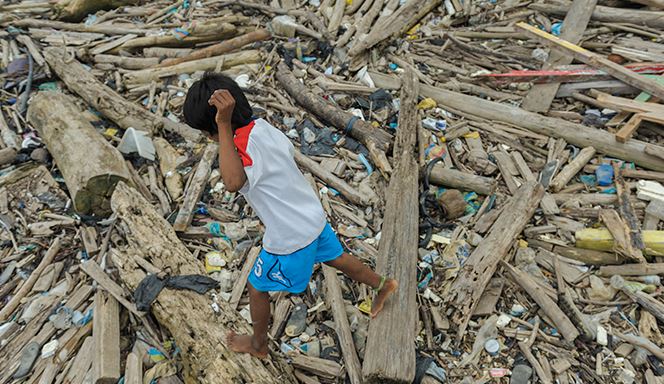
[627, 209]
[336, 302]
[651, 19]
[390, 348]
[571, 169]
[507, 170]
[195, 189]
[9, 308]
[627, 130]
[642, 269]
[595, 60]
[350, 193]
[480, 266]
[82, 362]
[94, 270]
[620, 233]
[241, 283]
[133, 369]
[540, 96]
[106, 335]
[326, 369]
[560, 320]
[654, 214]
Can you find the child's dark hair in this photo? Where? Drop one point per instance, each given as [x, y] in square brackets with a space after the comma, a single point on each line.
[200, 115]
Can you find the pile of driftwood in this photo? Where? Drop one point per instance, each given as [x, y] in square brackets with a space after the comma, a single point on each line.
[502, 159]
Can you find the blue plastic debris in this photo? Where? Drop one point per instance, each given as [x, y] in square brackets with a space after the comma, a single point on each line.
[366, 163]
[556, 28]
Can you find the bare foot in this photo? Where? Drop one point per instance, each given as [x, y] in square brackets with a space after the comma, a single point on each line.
[244, 344]
[388, 289]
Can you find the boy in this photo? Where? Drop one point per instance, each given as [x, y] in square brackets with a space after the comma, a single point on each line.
[256, 159]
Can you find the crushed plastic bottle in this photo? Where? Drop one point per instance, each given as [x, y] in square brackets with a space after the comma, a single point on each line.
[604, 174]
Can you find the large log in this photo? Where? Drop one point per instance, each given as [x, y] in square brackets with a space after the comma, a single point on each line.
[540, 96]
[111, 104]
[210, 30]
[577, 134]
[653, 19]
[77, 10]
[480, 266]
[390, 349]
[188, 316]
[90, 165]
[359, 129]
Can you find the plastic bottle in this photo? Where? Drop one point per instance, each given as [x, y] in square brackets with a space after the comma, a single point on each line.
[604, 174]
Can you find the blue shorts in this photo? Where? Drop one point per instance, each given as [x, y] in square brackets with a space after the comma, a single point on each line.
[292, 272]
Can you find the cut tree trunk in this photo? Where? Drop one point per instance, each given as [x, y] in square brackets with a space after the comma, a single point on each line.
[112, 105]
[576, 134]
[90, 165]
[188, 316]
[480, 266]
[77, 10]
[452, 178]
[390, 349]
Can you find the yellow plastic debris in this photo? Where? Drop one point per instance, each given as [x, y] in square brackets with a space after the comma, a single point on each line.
[601, 240]
[523, 243]
[427, 103]
[472, 135]
[214, 262]
[365, 306]
[110, 132]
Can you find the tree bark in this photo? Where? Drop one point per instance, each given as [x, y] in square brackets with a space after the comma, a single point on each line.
[90, 165]
[577, 134]
[480, 266]
[390, 349]
[197, 330]
[111, 104]
[453, 178]
[77, 10]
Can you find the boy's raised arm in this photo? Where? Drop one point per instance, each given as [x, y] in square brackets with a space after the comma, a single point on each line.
[230, 163]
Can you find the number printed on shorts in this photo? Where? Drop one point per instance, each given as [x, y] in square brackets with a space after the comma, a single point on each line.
[258, 267]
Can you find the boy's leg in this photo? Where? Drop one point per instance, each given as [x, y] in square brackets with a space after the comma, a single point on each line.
[352, 267]
[256, 344]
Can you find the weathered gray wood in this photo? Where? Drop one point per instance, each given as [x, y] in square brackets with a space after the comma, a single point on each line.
[184, 313]
[90, 174]
[453, 178]
[642, 269]
[577, 134]
[571, 169]
[560, 320]
[654, 214]
[77, 10]
[93, 270]
[241, 283]
[335, 300]
[651, 19]
[106, 335]
[540, 96]
[620, 233]
[480, 266]
[110, 103]
[27, 285]
[133, 369]
[326, 369]
[195, 189]
[390, 350]
[626, 209]
[350, 193]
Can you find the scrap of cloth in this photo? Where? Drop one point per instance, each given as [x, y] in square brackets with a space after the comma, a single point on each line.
[149, 288]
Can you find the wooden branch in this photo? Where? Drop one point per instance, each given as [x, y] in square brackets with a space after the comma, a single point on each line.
[241, 283]
[77, 10]
[211, 30]
[620, 233]
[627, 209]
[114, 29]
[525, 349]
[453, 178]
[390, 349]
[184, 313]
[641, 342]
[9, 308]
[167, 164]
[335, 19]
[576, 134]
[643, 269]
[220, 48]
[127, 62]
[110, 103]
[350, 193]
[360, 130]
[336, 302]
[106, 335]
[91, 174]
[324, 368]
[651, 19]
[480, 266]
[196, 188]
[571, 169]
[394, 25]
[540, 96]
[595, 60]
[207, 64]
[560, 320]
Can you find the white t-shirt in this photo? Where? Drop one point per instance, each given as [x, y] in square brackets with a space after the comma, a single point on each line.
[276, 189]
